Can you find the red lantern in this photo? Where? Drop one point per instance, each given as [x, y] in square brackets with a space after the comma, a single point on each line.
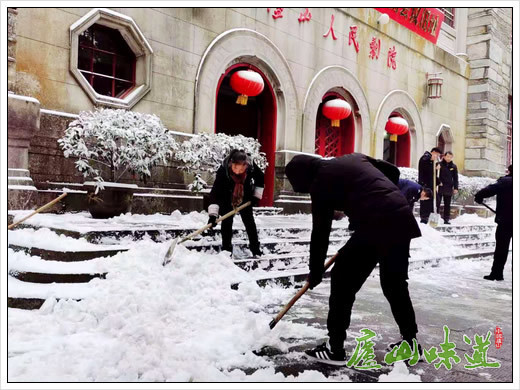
[246, 83]
[396, 126]
[336, 110]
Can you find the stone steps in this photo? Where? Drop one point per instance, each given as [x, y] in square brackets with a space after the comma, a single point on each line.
[68, 256]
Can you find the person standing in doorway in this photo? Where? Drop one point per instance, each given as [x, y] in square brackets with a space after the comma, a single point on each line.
[238, 181]
[426, 180]
[448, 184]
[503, 189]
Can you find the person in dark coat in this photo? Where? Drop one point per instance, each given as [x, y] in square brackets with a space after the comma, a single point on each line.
[413, 191]
[426, 180]
[503, 189]
[448, 184]
[383, 227]
[238, 181]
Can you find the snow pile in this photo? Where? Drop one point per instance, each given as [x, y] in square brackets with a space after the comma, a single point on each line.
[147, 322]
[432, 245]
[473, 219]
[399, 374]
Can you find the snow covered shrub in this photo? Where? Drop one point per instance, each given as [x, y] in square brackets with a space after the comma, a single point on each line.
[468, 185]
[205, 152]
[108, 143]
[198, 184]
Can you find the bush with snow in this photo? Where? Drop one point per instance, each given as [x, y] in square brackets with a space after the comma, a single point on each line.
[468, 186]
[109, 143]
[205, 152]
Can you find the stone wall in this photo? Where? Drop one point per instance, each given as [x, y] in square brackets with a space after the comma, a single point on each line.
[179, 38]
[11, 47]
[490, 58]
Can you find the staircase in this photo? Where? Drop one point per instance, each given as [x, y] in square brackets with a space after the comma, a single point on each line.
[39, 269]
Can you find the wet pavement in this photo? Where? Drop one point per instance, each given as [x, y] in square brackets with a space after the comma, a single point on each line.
[452, 294]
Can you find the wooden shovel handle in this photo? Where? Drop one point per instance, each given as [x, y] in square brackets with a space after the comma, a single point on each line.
[206, 227]
[302, 291]
[44, 207]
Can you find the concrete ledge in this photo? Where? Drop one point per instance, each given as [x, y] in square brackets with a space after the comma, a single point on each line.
[37, 277]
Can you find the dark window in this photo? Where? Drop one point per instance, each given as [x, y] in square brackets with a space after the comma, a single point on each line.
[449, 16]
[106, 61]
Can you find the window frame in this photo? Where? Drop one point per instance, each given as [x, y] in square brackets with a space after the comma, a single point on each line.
[136, 41]
[449, 16]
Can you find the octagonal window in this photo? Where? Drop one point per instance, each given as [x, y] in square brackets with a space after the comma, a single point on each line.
[110, 58]
[106, 61]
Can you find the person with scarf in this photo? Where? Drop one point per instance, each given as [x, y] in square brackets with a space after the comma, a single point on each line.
[238, 180]
[365, 189]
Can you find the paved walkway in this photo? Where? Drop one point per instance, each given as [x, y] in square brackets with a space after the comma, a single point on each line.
[453, 294]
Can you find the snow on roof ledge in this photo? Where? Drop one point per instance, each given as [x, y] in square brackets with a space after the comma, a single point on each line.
[21, 97]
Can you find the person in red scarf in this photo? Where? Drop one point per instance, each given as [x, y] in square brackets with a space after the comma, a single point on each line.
[238, 181]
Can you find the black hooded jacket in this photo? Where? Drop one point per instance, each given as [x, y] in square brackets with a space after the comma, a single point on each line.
[426, 171]
[222, 191]
[503, 189]
[356, 185]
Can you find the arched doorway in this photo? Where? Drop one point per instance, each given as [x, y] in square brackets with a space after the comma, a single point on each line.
[334, 141]
[397, 153]
[257, 119]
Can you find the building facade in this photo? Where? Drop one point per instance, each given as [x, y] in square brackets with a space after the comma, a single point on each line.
[447, 72]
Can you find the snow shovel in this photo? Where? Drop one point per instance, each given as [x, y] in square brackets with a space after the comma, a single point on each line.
[302, 291]
[433, 219]
[179, 240]
[483, 204]
[44, 207]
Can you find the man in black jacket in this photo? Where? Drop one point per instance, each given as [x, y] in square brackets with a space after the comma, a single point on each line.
[503, 189]
[413, 192]
[426, 180]
[448, 184]
[238, 180]
[383, 227]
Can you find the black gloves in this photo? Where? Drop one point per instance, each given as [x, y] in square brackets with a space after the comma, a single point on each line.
[254, 201]
[479, 199]
[213, 220]
[315, 277]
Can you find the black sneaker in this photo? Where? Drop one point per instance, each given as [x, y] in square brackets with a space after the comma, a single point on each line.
[447, 222]
[323, 354]
[257, 252]
[493, 277]
[410, 343]
[424, 221]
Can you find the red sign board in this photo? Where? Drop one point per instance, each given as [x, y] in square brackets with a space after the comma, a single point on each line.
[425, 22]
[499, 337]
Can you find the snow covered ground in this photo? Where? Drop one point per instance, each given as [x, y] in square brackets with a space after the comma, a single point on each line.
[181, 322]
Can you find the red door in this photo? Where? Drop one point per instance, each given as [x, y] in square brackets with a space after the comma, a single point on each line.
[257, 119]
[333, 141]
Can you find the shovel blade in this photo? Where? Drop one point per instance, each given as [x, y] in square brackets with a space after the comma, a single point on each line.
[169, 255]
[434, 219]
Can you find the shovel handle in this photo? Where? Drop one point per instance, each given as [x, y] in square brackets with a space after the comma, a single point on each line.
[302, 291]
[206, 227]
[483, 204]
[44, 207]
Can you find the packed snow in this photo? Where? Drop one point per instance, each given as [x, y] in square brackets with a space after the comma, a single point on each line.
[147, 322]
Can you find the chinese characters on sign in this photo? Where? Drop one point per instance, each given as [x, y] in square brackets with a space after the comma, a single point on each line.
[305, 16]
[391, 58]
[363, 357]
[352, 38]
[425, 22]
[375, 48]
[331, 28]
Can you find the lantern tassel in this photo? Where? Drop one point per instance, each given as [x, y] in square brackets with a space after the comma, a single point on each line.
[335, 122]
[242, 100]
[393, 137]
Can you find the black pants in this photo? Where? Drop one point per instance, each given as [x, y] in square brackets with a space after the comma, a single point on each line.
[425, 208]
[503, 236]
[355, 262]
[447, 205]
[249, 223]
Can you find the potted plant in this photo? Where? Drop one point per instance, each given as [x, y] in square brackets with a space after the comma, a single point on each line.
[109, 144]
